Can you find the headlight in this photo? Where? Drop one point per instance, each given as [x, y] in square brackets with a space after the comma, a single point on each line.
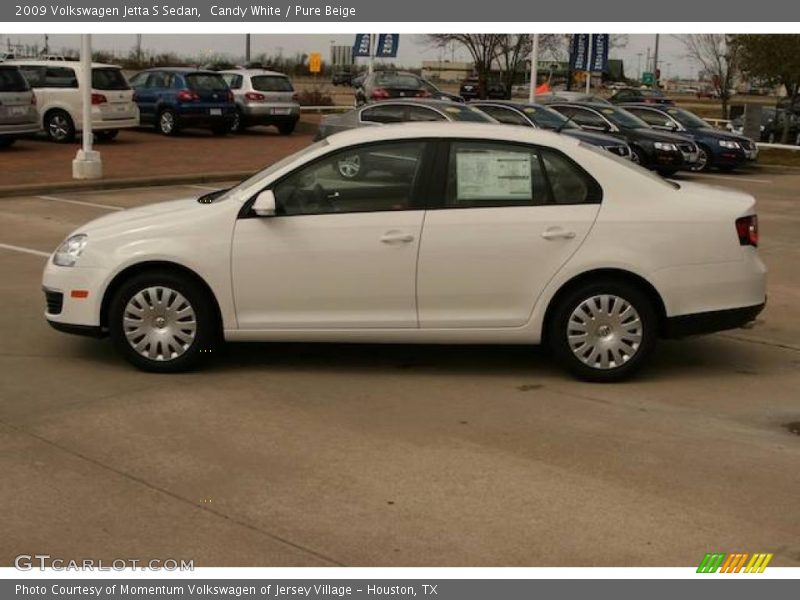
[69, 252]
[666, 147]
[731, 145]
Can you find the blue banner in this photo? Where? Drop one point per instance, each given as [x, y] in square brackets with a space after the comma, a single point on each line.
[580, 58]
[361, 47]
[387, 45]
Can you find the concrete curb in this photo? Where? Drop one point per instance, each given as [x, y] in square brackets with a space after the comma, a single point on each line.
[34, 189]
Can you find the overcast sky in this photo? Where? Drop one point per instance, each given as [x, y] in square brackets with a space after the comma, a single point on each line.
[413, 48]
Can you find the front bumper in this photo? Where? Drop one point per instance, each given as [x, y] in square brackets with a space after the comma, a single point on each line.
[73, 309]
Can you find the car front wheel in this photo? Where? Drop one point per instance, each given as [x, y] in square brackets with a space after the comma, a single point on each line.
[162, 323]
[603, 332]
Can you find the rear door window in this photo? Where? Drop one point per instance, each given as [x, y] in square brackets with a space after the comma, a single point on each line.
[505, 115]
[60, 77]
[421, 113]
[387, 113]
[109, 79]
[271, 83]
[11, 80]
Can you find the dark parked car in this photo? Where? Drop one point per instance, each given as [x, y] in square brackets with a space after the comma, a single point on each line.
[470, 90]
[177, 98]
[645, 96]
[399, 111]
[383, 85]
[772, 123]
[660, 151]
[716, 148]
[439, 94]
[342, 77]
[542, 117]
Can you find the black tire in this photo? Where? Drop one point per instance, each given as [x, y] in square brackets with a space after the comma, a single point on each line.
[206, 333]
[558, 331]
[59, 127]
[287, 128]
[107, 135]
[639, 157]
[237, 124]
[5, 142]
[167, 122]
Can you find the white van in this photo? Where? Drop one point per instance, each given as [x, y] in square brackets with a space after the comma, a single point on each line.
[58, 95]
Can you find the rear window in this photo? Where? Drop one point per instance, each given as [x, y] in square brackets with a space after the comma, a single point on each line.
[206, 81]
[401, 81]
[60, 77]
[459, 112]
[271, 83]
[109, 79]
[11, 80]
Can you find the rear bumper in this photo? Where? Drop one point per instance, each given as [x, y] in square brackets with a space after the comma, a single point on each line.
[709, 322]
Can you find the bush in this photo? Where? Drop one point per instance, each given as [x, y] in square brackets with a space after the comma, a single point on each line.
[314, 97]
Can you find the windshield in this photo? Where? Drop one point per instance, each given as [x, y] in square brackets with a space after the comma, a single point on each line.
[651, 93]
[622, 118]
[271, 83]
[459, 112]
[547, 118]
[109, 79]
[401, 81]
[11, 80]
[206, 81]
[629, 164]
[685, 118]
[273, 168]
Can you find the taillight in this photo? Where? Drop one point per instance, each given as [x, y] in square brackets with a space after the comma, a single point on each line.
[423, 94]
[98, 99]
[747, 230]
[379, 93]
[255, 96]
[187, 96]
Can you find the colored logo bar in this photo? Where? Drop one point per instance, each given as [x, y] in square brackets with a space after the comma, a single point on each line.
[714, 562]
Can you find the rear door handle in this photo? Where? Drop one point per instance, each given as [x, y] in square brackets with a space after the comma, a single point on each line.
[396, 237]
[556, 233]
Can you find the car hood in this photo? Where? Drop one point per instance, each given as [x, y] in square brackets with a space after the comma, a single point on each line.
[595, 139]
[141, 216]
[661, 136]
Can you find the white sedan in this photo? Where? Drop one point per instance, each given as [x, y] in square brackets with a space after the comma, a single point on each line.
[449, 233]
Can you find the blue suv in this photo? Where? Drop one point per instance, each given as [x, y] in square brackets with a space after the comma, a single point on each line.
[175, 98]
[717, 148]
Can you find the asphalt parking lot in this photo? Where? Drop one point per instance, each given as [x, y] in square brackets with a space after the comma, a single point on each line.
[293, 454]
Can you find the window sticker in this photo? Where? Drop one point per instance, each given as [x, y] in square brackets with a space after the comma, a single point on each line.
[493, 175]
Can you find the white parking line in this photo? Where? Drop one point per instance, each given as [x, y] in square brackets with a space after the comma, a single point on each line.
[80, 202]
[24, 250]
[732, 178]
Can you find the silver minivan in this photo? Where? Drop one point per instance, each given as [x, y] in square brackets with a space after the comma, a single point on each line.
[263, 98]
[18, 114]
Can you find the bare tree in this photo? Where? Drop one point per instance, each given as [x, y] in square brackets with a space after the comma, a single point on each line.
[481, 46]
[718, 56]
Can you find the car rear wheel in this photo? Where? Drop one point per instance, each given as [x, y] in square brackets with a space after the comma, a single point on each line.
[603, 331]
[163, 323]
[59, 127]
[167, 122]
[287, 128]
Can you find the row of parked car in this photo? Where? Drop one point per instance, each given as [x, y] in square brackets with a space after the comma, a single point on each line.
[46, 95]
[663, 138]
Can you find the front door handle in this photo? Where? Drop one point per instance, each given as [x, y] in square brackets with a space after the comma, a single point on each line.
[556, 233]
[396, 237]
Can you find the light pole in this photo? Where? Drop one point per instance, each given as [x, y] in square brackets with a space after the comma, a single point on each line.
[638, 66]
[246, 48]
[534, 67]
[87, 163]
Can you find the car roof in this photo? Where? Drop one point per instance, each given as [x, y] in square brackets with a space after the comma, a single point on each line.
[646, 105]
[180, 70]
[56, 63]
[252, 72]
[417, 101]
[453, 129]
[510, 103]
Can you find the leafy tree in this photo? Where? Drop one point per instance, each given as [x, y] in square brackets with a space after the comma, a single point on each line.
[482, 47]
[776, 60]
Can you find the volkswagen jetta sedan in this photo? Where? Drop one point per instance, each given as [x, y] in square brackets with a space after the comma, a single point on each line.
[491, 234]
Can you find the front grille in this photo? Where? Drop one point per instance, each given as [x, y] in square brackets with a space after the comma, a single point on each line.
[619, 150]
[55, 302]
[688, 148]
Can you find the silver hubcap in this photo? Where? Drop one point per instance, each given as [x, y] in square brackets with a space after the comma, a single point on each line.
[159, 323]
[167, 122]
[350, 166]
[604, 331]
[59, 127]
[702, 160]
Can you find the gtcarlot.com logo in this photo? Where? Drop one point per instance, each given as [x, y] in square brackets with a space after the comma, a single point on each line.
[28, 562]
[742, 562]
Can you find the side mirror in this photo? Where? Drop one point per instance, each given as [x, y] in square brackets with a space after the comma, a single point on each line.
[264, 206]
